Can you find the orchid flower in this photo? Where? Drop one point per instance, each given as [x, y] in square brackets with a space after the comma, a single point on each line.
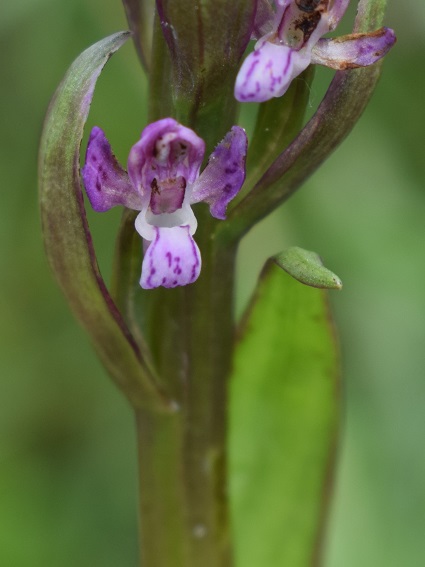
[162, 183]
[291, 39]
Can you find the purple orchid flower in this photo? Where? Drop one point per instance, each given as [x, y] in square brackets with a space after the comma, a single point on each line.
[290, 39]
[162, 183]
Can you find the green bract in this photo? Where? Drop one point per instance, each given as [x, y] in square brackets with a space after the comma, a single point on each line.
[66, 233]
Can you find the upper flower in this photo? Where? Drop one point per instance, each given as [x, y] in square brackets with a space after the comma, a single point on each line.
[162, 183]
[290, 39]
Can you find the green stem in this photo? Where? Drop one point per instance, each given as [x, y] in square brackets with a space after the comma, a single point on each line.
[162, 522]
[184, 517]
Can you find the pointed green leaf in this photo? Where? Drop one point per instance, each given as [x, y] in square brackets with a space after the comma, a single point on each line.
[160, 102]
[284, 419]
[67, 237]
[307, 268]
[140, 17]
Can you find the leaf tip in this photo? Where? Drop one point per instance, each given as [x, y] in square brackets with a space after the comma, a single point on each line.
[307, 267]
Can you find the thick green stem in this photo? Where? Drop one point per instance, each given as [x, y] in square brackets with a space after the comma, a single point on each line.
[189, 331]
[184, 517]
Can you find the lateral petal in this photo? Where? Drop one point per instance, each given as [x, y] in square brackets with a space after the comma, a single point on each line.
[107, 183]
[224, 174]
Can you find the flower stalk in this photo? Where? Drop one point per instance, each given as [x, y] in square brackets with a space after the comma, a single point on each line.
[195, 324]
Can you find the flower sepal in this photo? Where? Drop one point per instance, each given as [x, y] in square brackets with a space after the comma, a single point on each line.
[353, 50]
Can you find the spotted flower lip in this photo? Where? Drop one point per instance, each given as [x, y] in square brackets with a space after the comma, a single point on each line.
[162, 182]
[290, 38]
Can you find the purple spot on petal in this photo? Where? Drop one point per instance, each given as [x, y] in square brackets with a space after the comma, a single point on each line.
[288, 62]
[250, 71]
[195, 266]
[177, 244]
[152, 270]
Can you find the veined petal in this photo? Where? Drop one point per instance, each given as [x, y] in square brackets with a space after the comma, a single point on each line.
[354, 50]
[107, 183]
[265, 73]
[172, 259]
[224, 174]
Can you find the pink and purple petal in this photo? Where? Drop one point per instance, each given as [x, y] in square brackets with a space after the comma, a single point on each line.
[172, 259]
[354, 50]
[224, 174]
[107, 183]
[166, 151]
[265, 73]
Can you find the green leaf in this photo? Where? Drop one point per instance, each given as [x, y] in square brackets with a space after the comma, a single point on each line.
[140, 17]
[284, 421]
[307, 268]
[67, 237]
[160, 102]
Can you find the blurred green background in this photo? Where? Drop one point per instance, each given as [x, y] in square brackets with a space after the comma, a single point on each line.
[67, 459]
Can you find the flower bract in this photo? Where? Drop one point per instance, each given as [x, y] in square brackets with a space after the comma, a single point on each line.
[162, 182]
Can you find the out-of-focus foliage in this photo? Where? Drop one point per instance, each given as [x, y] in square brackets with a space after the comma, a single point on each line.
[67, 462]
